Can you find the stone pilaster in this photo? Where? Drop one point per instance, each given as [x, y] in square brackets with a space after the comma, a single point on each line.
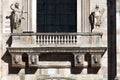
[84, 15]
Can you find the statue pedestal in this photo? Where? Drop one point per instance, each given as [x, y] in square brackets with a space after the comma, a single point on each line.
[17, 30]
[97, 29]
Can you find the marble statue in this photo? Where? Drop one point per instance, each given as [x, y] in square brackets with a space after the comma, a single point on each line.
[95, 17]
[16, 15]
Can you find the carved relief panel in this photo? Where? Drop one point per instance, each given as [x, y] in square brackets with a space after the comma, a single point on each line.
[33, 60]
[17, 60]
[78, 60]
[95, 60]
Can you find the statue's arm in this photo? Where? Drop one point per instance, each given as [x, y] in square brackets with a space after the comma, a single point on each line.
[11, 6]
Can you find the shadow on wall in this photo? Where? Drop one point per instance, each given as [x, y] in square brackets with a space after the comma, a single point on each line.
[8, 59]
[9, 41]
[90, 69]
[28, 70]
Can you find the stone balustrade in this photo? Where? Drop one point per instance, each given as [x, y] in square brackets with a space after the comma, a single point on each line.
[57, 39]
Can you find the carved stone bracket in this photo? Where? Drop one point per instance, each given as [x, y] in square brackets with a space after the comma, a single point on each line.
[79, 60]
[95, 60]
[33, 59]
[17, 60]
[78, 52]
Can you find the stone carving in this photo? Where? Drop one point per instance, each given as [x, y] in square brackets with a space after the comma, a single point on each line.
[33, 59]
[95, 17]
[16, 16]
[96, 59]
[16, 59]
[78, 59]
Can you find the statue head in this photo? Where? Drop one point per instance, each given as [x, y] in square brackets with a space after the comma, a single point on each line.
[16, 59]
[17, 5]
[96, 59]
[97, 7]
[78, 58]
[33, 59]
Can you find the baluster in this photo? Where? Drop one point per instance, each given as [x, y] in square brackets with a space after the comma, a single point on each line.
[41, 39]
[73, 39]
[68, 40]
[59, 39]
[50, 39]
[47, 41]
[56, 39]
[53, 39]
[37, 39]
[62, 40]
[44, 39]
[65, 39]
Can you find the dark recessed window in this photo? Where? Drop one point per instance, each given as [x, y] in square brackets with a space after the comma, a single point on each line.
[56, 15]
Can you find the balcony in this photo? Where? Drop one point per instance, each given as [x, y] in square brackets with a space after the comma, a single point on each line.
[35, 44]
[57, 39]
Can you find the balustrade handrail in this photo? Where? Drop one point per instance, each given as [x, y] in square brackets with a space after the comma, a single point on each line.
[58, 34]
[62, 38]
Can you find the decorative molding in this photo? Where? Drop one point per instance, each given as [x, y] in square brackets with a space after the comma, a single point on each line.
[57, 49]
